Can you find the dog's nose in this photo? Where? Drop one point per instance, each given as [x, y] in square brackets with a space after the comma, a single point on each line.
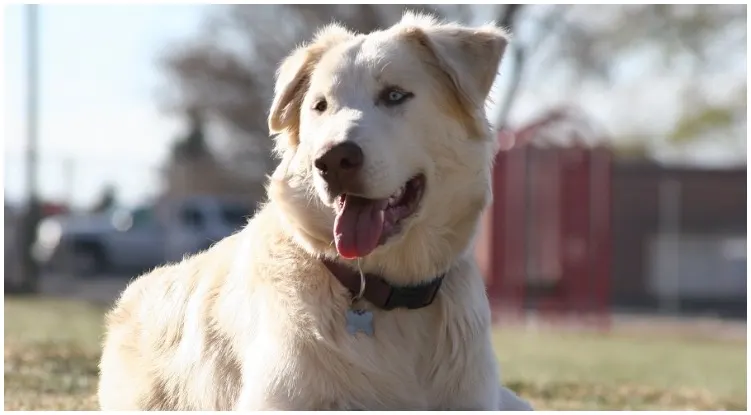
[340, 164]
[343, 158]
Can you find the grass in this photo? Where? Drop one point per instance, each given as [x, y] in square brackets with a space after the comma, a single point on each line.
[52, 350]
[617, 372]
[51, 354]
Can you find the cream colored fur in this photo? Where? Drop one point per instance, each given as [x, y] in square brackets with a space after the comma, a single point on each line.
[257, 322]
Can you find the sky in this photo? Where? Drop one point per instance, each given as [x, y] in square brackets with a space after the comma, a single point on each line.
[100, 122]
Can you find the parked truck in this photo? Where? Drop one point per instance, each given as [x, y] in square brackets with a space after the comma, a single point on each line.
[135, 239]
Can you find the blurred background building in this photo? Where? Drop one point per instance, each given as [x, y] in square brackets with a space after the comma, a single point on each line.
[152, 141]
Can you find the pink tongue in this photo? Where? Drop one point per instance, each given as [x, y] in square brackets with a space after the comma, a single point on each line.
[358, 226]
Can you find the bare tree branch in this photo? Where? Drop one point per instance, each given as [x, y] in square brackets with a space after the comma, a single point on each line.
[521, 53]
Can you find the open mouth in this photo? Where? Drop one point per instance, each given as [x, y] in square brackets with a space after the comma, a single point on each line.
[362, 224]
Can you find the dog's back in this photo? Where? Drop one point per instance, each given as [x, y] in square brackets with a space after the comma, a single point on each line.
[161, 334]
[179, 336]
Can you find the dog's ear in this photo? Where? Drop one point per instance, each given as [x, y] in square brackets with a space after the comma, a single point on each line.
[467, 57]
[292, 80]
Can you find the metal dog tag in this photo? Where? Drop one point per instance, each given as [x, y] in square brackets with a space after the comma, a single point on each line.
[359, 320]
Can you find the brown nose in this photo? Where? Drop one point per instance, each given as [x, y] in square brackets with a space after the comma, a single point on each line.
[339, 165]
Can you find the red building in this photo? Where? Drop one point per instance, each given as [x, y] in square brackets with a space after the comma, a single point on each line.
[573, 231]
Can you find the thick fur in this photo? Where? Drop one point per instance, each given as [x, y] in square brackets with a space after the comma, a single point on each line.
[258, 323]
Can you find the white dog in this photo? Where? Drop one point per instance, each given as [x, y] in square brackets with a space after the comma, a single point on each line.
[354, 287]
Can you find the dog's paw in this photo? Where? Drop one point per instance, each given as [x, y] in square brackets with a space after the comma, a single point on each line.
[510, 401]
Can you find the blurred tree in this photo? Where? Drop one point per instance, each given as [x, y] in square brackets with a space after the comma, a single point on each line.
[619, 43]
[193, 145]
[507, 18]
[680, 37]
[701, 117]
[193, 169]
[107, 200]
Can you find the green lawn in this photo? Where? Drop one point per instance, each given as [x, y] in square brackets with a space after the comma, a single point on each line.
[52, 347]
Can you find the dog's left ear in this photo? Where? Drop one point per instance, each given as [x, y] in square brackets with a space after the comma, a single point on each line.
[468, 57]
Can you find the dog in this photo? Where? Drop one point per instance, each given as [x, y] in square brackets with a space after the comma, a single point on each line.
[354, 286]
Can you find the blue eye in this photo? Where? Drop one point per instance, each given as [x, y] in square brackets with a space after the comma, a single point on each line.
[393, 96]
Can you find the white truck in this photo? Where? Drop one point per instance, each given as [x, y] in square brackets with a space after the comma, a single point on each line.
[136, 239]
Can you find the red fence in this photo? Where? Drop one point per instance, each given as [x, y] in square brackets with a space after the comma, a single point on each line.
[546, 241]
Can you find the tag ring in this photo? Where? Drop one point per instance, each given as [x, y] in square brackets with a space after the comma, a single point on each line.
[362, 282]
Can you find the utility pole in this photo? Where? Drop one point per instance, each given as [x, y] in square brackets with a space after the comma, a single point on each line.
[30, 277]
[521, 53]
[69, 175]
[506, 20]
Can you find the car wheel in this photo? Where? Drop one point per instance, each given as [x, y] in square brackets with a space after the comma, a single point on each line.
[86, 261]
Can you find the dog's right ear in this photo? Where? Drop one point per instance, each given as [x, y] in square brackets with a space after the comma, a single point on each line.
[292, 81]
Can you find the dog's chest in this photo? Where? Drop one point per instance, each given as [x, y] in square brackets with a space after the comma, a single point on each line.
[398, 359]
[407, 359]
[386, 368]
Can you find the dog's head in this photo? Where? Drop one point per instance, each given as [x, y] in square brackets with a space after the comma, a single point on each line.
[386, 150]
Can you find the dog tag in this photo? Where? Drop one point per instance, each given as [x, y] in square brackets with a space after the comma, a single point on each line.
[359, 320]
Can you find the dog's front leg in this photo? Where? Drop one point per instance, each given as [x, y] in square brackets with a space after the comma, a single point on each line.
[272, 385]
[261, 372]
[264, 397]
[507, 401]
[510, 401]
[251, 400]
[480, 390]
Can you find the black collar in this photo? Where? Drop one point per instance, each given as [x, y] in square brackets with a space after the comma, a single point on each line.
[381, 293]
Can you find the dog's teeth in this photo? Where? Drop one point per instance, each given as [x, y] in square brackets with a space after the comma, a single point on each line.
[394, 199]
